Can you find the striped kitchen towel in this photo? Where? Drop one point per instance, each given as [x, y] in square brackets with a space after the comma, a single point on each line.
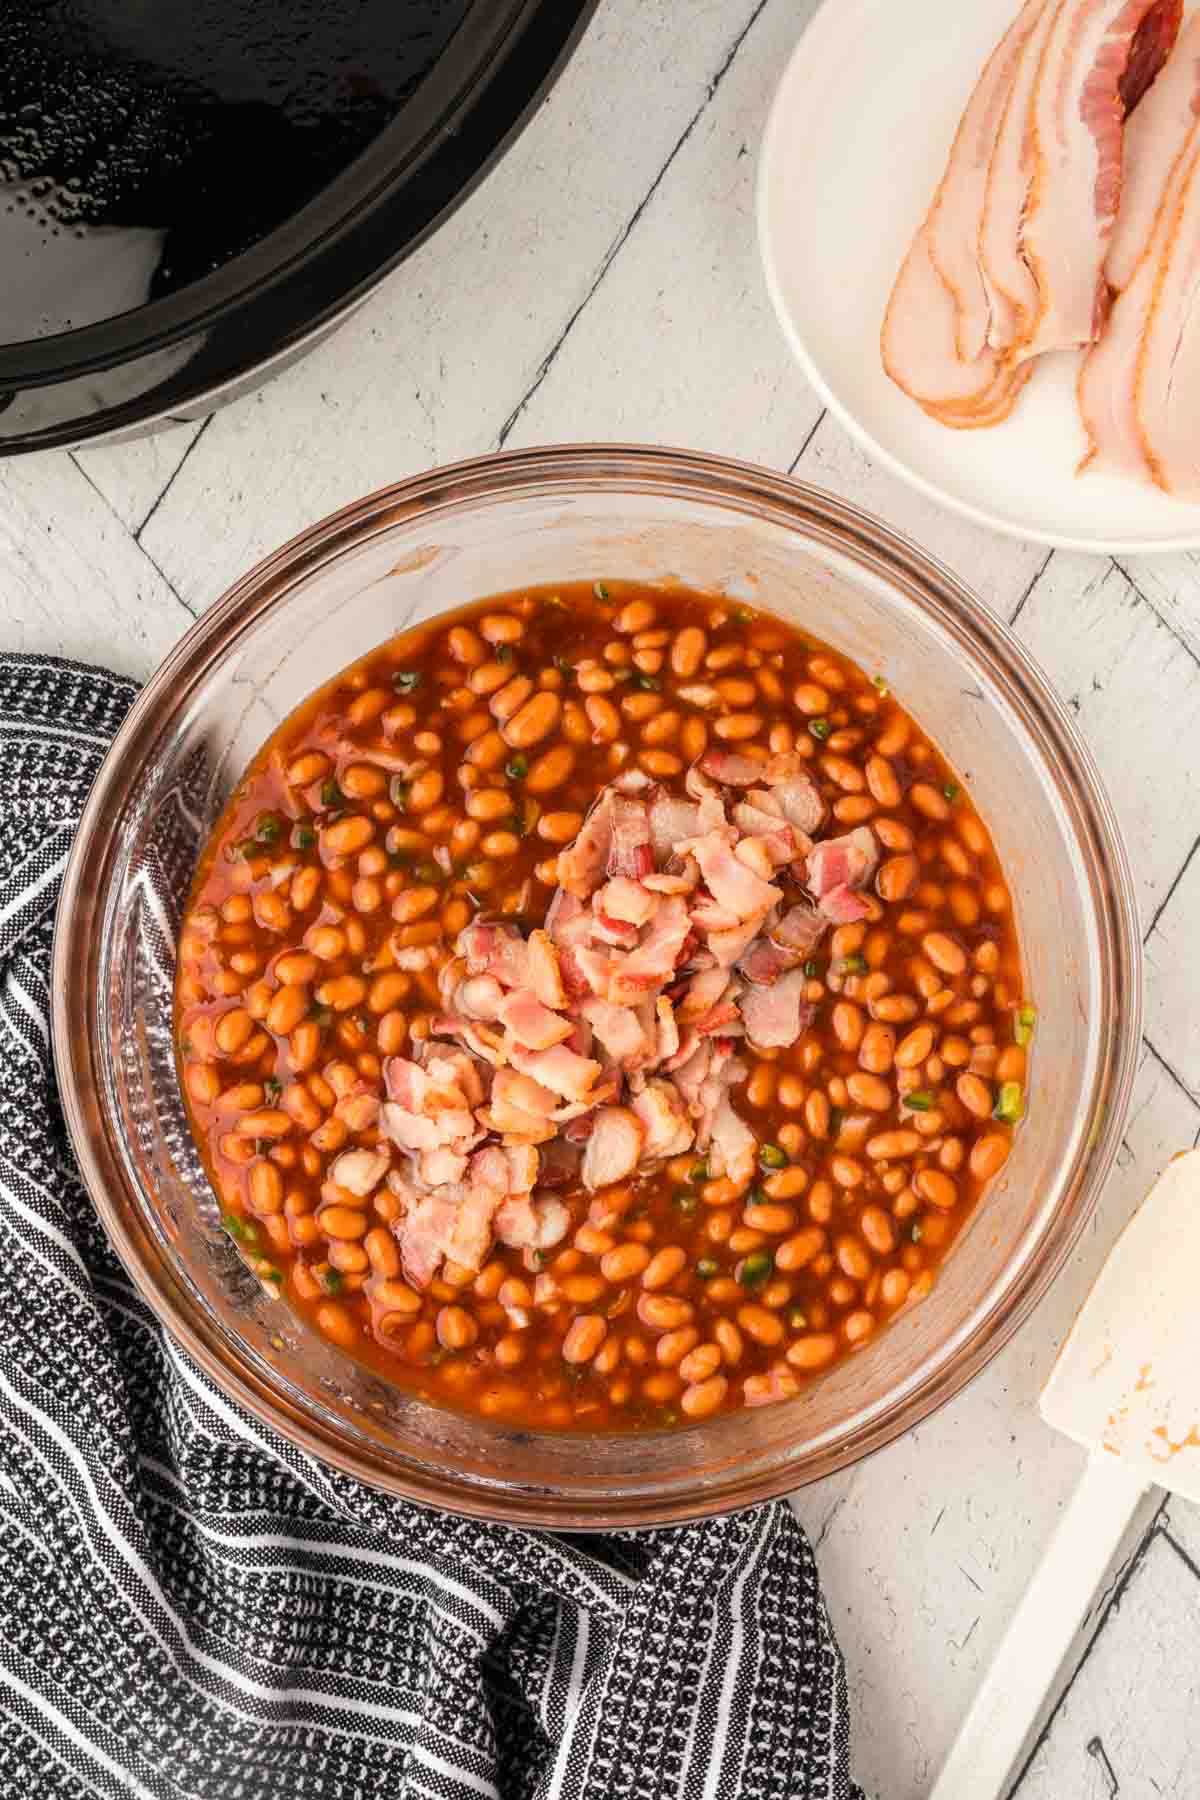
[190, 1609]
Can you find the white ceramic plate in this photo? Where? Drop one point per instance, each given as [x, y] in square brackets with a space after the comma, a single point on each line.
[854, 147]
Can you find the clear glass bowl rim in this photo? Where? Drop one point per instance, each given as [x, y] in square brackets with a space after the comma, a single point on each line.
[567, 471]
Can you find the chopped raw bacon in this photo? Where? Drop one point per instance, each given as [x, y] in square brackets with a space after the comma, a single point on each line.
[668, 1030]
[731, 768]
[497, 950]
[618, 1030]
[670, 821]
[532, 1025]
[545, 977]
[775, 1015]
[614, 1147]
[629, 853]
[625, 900]
[561, 1069]
[439, 1167]
[612, 1028]
[731, 883]
[613, 932]
[532, 1224]
[582, 863]
[802, 805]
[652, 964]
[732, 1146]
[801, 928]
[842, 906]
[664, 1121]
[704, 992]
[842, 862]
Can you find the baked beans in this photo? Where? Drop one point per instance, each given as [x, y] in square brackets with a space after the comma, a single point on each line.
[436, 780]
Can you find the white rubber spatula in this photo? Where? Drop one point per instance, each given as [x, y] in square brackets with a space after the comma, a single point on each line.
[1127, 1387]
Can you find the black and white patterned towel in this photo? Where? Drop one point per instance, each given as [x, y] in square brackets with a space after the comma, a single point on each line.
[192, 1610]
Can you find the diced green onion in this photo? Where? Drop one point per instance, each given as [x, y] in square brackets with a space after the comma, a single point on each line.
[322, 1015]
[504, 653]
[707, 1267]
[563, 666]
[699, 1172]
[303, 837]
[851, 965]
[1023, 1024]
[331, 1281]
[952, 790]
[650, 683]
[797, 1320]
[772, 1157]
[600, 589]
[398, 792]
[625, 673]
[331, 793]
[686, 1202]
[878, 682]
[820, 728]
[756, 1268]
[813, 971]
[428, 871]
[271, 1090]
[1010, 1103]
[835, 1123]
[269, 1273]
[537, 1259]
[405, 680]
[744, 615]
[242, 1231]
[266, 828]
[517, 769]
[919, 1100]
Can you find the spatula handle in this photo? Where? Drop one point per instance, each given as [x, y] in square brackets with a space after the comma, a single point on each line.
[1097, 1516]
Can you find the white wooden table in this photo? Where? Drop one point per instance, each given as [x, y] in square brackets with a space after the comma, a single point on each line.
[604, 283]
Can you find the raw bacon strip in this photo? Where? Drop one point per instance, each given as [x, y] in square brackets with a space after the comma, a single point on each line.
[1169, 365]
[954, 219]
[1158, 138]
[1107, 385]
[919, 348]
[1076, 130]
[1008, 280]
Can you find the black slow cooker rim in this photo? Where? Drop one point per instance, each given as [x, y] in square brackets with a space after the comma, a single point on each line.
[351, 221]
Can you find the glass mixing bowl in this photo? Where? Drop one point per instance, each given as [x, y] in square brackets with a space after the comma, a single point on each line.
[416, 550]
